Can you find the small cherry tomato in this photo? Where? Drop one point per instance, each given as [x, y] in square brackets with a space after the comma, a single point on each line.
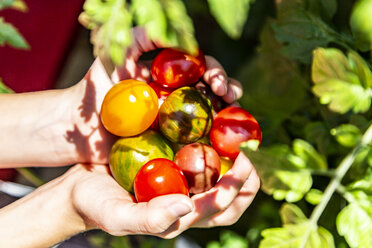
[129, 108]
[174, 68]
[201, 165]
[158, 177]
[232, 126]
[162, 93]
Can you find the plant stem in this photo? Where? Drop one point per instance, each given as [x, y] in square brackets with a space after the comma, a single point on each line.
[30, 176]
[336, 181]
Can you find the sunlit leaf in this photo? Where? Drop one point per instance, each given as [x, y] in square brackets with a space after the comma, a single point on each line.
[231, 15]
[314, 196]
[111, 22]
[361, 24]
[280, 176]
[166, 22]
[10, 35]
[229, 239]
[19, 5]
[4, 88]
[309, 155]
[355, 225]
[347, 134]
[293, 235]
[340, 81]
[291, 214]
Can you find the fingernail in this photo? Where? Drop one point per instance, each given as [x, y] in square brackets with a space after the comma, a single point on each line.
[181, 208]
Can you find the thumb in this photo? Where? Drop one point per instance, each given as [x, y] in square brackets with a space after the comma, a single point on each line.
[157, 215]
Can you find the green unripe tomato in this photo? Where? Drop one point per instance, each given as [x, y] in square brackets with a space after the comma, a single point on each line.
[129, 154]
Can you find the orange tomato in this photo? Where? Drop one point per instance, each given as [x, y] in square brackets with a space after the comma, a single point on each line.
[129, 108]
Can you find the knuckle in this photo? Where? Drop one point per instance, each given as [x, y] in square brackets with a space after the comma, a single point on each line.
[154, 224]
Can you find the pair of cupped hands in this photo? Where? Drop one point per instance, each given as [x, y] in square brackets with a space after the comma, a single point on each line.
[102, 203]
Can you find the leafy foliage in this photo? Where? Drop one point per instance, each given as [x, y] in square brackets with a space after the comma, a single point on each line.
[229, 239]
[231, 17]
[342, 82]
[284, 173]
[301, 31]
[361, 24]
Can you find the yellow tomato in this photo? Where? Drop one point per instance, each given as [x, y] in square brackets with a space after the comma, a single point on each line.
[129, 108]
[226, 165]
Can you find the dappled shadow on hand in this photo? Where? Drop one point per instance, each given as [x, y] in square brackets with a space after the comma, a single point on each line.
[82, 132]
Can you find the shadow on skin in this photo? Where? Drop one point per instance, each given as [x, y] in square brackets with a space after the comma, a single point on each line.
[88, 109]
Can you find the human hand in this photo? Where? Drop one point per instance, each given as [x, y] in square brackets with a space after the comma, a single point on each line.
[103, 204]
[92, 141]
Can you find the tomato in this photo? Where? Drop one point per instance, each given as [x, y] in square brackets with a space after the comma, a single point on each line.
[129, 108]
[174, 68]
[226, 165]
[158, 177]
[201, 165]
[232, 126]
[162, 93]
[8, 174]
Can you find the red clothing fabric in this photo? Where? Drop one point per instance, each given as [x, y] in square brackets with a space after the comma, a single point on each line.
[49, 27]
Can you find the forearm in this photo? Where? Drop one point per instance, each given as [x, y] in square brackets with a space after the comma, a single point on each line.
[37, 129]
[43, 218]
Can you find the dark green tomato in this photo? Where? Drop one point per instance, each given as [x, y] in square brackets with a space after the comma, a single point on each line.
[185, 116]
[129, 154]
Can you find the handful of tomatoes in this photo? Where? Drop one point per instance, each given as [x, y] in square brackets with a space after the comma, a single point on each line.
[175, 137]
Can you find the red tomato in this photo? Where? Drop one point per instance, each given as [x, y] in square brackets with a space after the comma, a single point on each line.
[232, 126]
[8, 174]
[158, 177]
[162, 93]
[174, 68]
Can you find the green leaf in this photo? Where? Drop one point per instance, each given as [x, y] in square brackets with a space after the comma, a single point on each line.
[309, 155]
[4, 89]
[314, 196]
[323, 8]
[301, 31]
[167, 22]
[229, 239]
[355, 225]
[10, 35]
[347, 135]
[318, 133]
[340, 81]
[112, 22]
[291, 214]
[280, 176]
[361, 24]
[291, 236]
[14, 4]
[231, 15]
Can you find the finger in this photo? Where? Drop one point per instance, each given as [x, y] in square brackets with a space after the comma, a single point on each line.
[217, 199]
[234, 91]
[215, 76]
[133, 70]
[151, 217]
[237, 207]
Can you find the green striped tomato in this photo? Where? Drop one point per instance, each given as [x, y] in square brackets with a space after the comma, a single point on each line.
[129, 154]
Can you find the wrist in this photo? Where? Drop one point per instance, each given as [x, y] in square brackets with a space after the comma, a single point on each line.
[48, 212]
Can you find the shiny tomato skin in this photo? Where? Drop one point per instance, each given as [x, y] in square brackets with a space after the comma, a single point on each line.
[174, 68]
[158, 177]
[162, 93]
[232, 126]
[129, 108]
